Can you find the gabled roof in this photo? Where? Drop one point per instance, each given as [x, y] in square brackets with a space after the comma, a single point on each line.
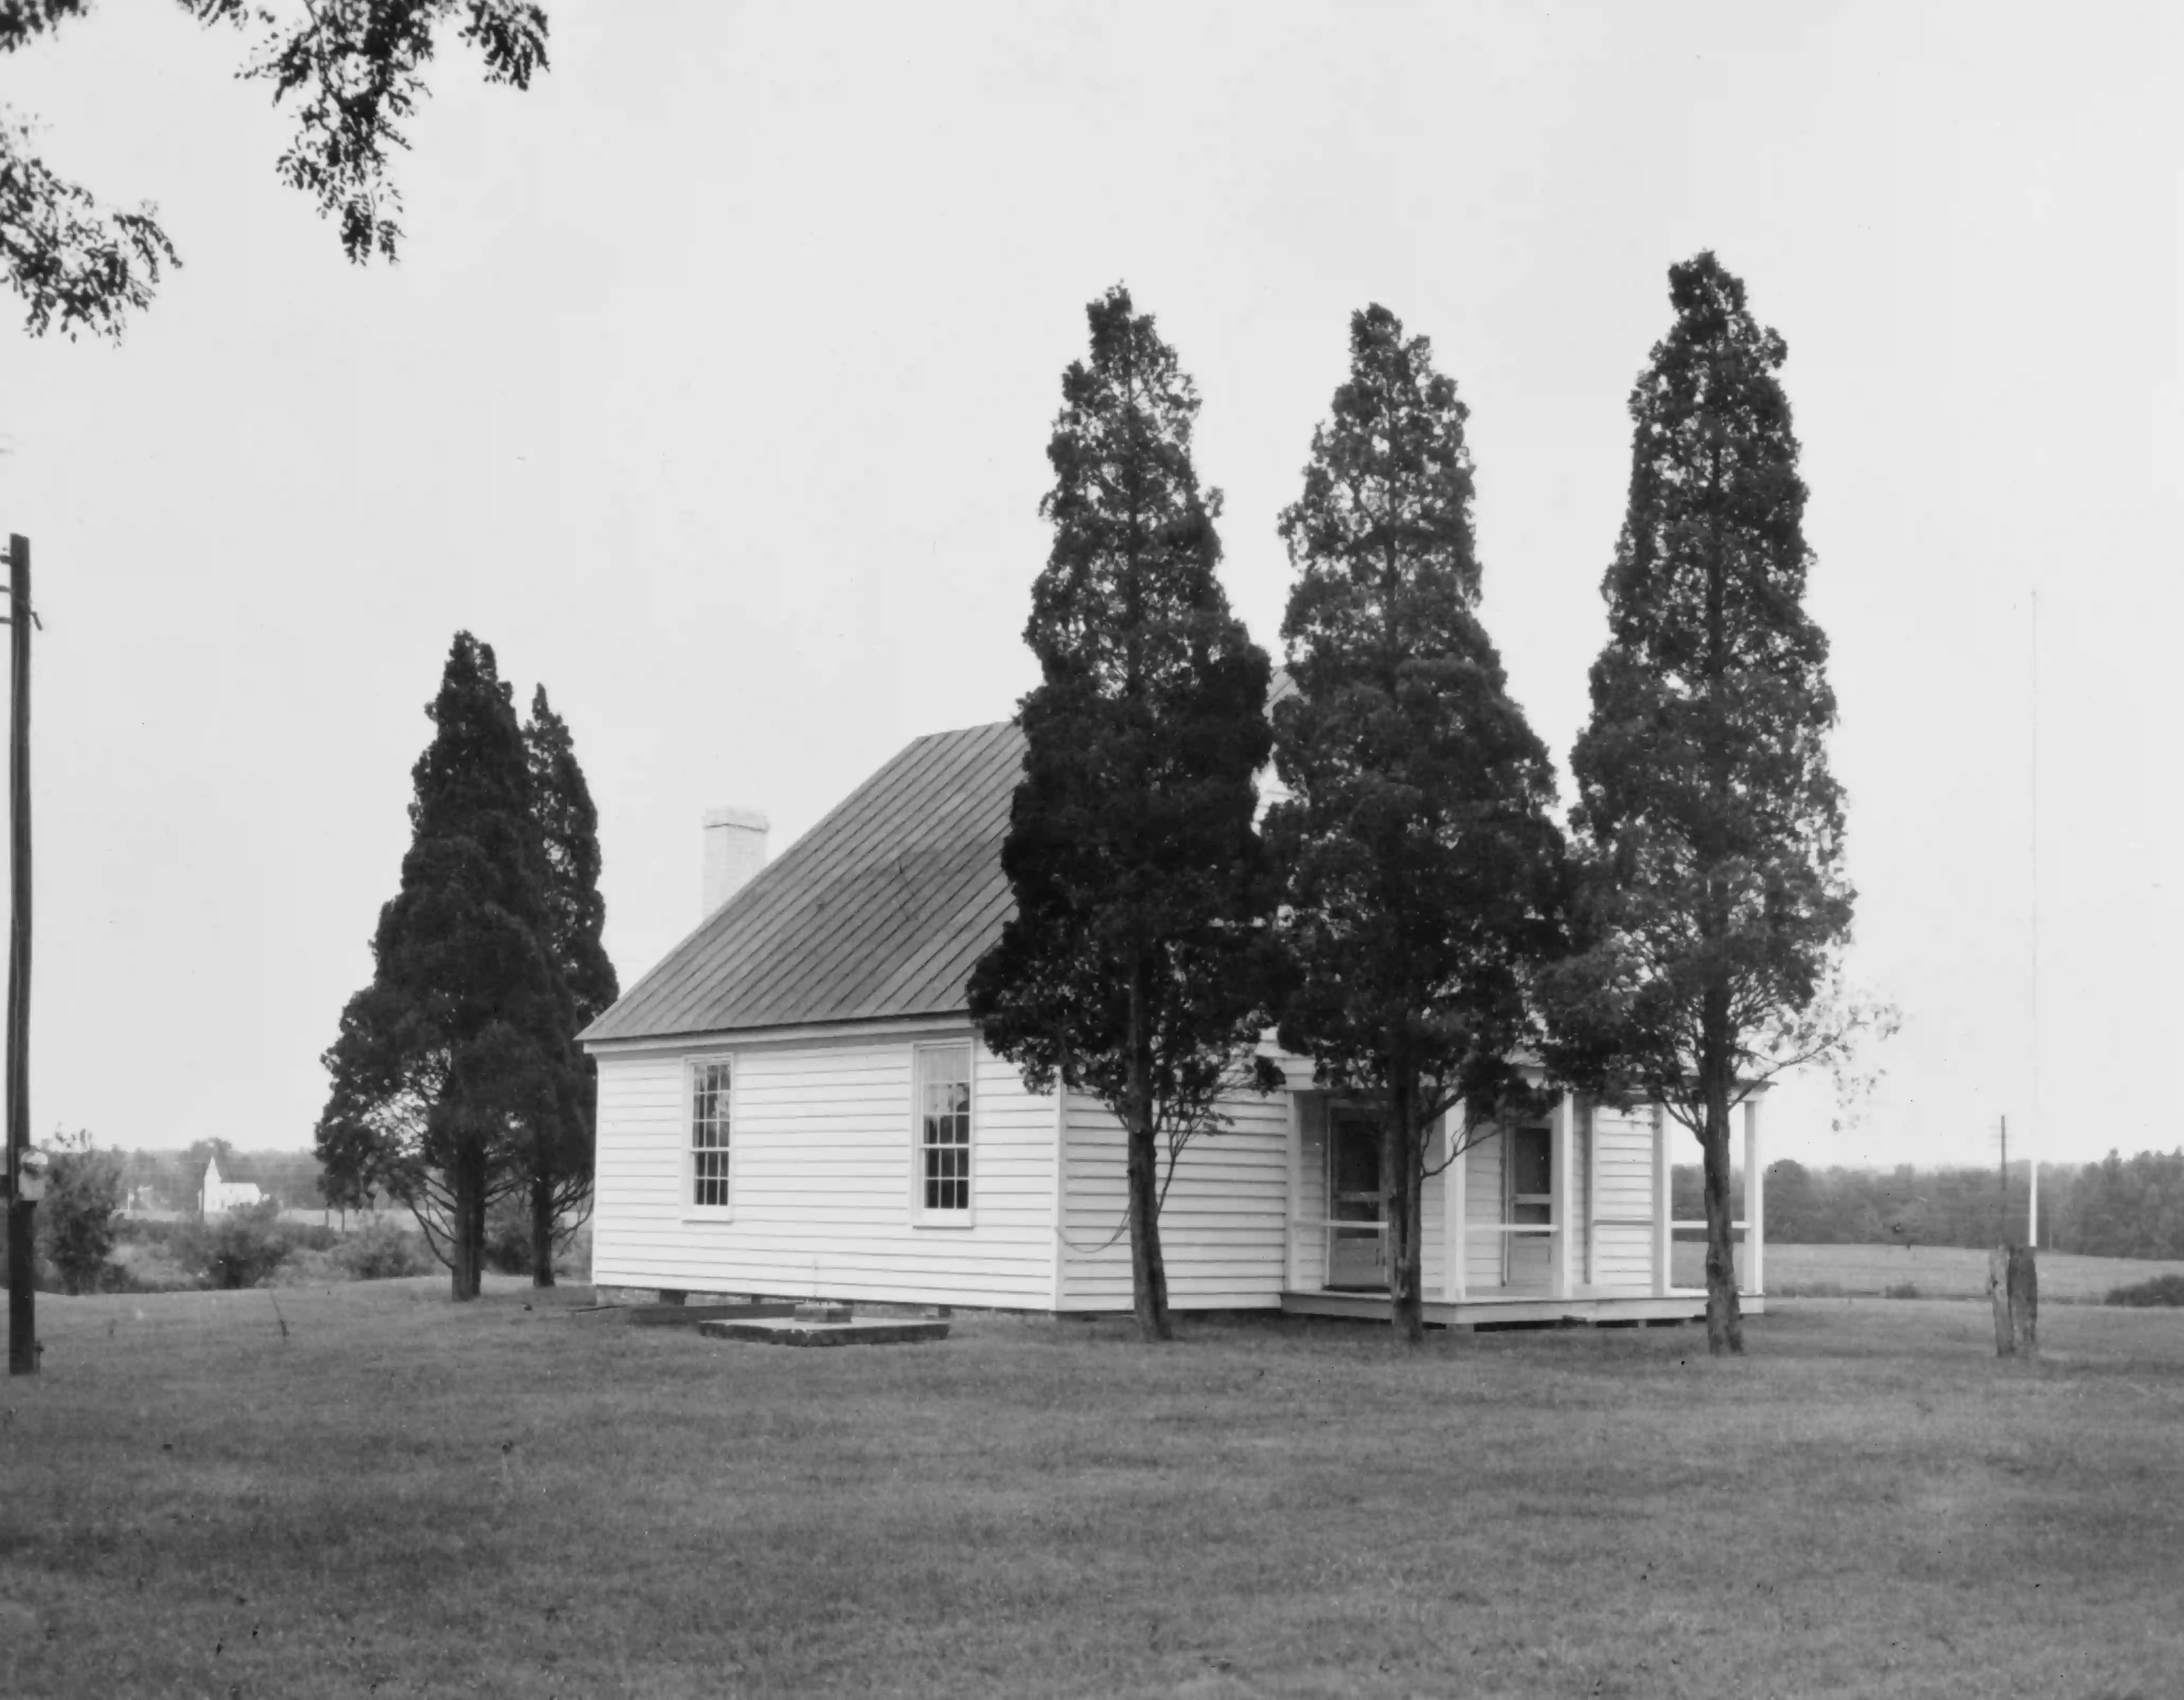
[882, 909]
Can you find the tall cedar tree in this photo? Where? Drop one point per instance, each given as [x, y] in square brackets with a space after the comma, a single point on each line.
[1128, 969]
[1711, 903]
[1422, 868]
[560, 1151]
[456, 1049]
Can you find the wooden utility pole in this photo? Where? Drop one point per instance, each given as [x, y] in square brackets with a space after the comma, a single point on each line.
[2013, 1280]
[22, 1313]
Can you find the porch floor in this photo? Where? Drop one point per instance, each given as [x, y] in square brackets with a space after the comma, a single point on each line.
[1683, 1304]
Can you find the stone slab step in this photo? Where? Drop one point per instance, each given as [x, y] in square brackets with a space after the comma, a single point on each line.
[789, 1332]
[689, 1316]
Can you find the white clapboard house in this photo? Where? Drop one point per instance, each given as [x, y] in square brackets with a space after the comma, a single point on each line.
[795, 1102]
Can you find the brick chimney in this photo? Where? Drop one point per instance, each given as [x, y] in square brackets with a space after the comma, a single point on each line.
[735, 849]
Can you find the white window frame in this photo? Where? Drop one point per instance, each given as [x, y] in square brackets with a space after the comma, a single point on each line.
[688, 1168]
[920, 1215]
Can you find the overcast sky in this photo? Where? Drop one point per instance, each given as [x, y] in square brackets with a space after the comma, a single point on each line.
[714, 388]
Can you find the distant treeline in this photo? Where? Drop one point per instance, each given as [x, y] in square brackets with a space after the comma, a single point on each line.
[170, 1180]
[2119, 1207]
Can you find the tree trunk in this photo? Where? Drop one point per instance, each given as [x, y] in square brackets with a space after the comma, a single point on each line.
[1148, 1274]
[1725, 1319]
[477, 1226]
[1402, 1170]
[542, 1231]
[462, 1267]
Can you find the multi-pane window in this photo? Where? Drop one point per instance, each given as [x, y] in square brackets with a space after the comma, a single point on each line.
[943, 1127]
[708, 1134]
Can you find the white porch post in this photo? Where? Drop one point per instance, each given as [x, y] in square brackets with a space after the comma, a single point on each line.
[1662, 1196]
[1592, 1194]
[1293, 1204]
[1061, 1191]
[1755, 1201]
[1558, 1183]
[1452, 1205]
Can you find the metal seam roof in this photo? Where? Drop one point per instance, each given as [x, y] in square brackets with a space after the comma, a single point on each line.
[881, 910]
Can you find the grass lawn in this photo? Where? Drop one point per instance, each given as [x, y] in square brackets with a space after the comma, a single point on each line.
[403, 1497]
[1938, 1272]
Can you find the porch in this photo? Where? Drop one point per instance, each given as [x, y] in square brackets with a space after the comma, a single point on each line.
[1604, 1310]
[1568, 1219]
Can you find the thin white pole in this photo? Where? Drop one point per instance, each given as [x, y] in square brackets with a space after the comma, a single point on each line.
[2032, 1135]
[1755, 1203]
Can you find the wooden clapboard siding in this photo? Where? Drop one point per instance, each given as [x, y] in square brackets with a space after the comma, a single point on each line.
[1622, 1248]
[1223, 1226]
[822, 1179]
[1580, 1196]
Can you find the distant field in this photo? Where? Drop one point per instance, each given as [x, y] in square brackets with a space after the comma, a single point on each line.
[1938, 1272]
[397, 1496]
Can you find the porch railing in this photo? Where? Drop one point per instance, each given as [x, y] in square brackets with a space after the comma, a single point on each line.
[1327, 1228]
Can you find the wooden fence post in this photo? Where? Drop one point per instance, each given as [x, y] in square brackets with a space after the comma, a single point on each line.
[2013, 1288]
[2024, 1282]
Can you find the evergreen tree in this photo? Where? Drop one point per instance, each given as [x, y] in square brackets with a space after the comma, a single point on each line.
[1711, 903]
[75, 1220]
[560, 1151]
[457, 1048]
[1422, 868]
[1140, 884]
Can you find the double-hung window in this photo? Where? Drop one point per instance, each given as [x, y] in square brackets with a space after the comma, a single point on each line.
[710, 1080]
[942, 1176]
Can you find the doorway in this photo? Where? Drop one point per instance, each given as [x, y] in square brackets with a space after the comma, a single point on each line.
[1357, 1257]
[1528, 1202]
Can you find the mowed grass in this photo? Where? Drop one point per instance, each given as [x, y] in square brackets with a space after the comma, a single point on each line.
[403, 1497]
[1937, 1271]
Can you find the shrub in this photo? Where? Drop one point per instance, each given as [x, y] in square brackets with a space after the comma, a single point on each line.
[2162, 1289]
[239, 1249]
[75, 1225]
[304, 1267]
[508, 1242]
[508, 1236]
[149, 1266]
[310, 1236]
[379, 1251]
[573, 1261]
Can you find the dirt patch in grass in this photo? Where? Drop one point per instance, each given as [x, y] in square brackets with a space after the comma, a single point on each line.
[400, 1495]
